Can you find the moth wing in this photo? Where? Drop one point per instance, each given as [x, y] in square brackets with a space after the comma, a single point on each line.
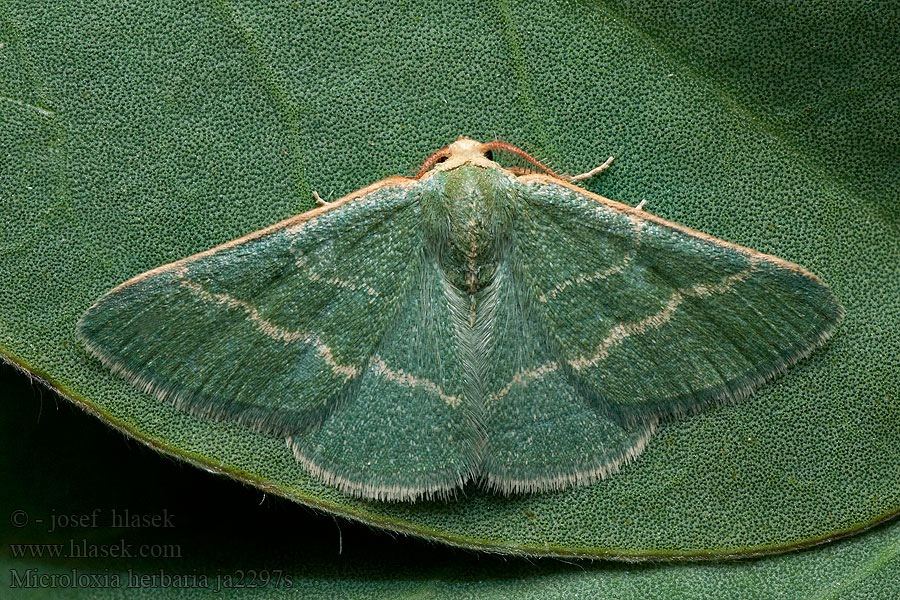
[410, 430]
[650, 318]
[541, 431]
[272, 329]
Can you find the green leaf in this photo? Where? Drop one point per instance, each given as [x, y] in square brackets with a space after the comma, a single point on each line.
[220, 530]
[134, 136]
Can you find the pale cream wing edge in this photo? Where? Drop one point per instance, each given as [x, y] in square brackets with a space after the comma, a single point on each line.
[640, 215]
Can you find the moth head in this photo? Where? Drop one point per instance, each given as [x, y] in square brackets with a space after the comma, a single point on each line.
[463, 151]
[493, 155]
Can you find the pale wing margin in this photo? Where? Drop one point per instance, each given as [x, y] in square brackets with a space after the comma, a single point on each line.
[653, 318]
[272, 329]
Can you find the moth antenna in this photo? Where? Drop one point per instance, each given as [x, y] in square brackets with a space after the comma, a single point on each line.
[533, 150]
[432, 160]
[523, 144]
[522, 158]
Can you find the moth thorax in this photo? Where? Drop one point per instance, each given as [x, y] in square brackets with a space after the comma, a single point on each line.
[467, 218]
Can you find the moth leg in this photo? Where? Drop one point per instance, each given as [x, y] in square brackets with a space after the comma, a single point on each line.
[640, 205]
[592, 172]
[319, 200]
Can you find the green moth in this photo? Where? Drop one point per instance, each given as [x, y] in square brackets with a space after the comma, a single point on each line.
[475, 322]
